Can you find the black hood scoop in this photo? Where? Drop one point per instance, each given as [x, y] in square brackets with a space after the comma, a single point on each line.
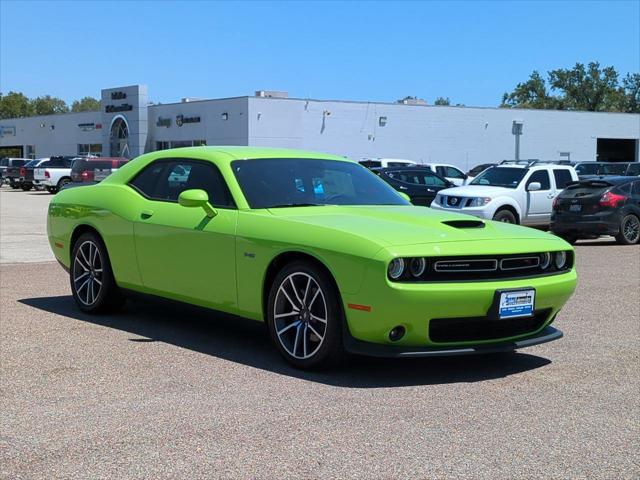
[465, 223]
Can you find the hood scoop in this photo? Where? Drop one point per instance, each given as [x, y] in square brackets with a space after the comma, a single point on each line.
[465, 223]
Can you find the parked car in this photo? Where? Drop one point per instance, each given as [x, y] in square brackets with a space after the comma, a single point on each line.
[420, 184]
[385, 162]
[27, 180]
[330, 257]
[477, 170]
[589, 169]
[599, 206]
[450, 172]
[13, 163]
[510, 192]
[95, 169]
[56, 173]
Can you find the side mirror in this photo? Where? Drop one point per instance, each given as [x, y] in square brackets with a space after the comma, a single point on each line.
[534, 186]
[197, 198]
[405, 196]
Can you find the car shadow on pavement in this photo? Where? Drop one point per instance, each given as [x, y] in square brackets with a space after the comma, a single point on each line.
[247, 342]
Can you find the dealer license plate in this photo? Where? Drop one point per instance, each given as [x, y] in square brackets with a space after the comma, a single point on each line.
[575, 208]
[101, 174]
[517, 304]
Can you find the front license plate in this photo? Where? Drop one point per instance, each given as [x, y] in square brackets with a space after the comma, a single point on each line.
[520, 303]
[575, 208]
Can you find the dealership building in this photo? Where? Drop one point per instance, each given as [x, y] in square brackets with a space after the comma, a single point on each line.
[129, 125]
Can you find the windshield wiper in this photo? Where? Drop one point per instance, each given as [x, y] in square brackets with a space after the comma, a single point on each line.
[286, 205]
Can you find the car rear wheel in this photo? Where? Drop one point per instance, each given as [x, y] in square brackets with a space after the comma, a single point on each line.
[62, 183]
[505, 216]
[26, 188]
[92, 283]
[629, 230]
[304, 316]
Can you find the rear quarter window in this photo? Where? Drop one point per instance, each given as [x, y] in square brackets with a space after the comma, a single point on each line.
[562, 176]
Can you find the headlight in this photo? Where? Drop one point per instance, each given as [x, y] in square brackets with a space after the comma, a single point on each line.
[417, 266]
[545, 260]
[396, 268]
[479, 201]
[560, 259]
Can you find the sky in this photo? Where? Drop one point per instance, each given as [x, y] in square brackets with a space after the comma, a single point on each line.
[471, 52]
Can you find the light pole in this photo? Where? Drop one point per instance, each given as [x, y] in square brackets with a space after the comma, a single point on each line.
[516, 129]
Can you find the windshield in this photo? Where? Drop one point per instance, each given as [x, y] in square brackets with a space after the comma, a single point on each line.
[500, 177]
[285, 182]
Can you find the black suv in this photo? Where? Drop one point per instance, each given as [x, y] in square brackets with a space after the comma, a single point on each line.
[421, 184]
[599, 206]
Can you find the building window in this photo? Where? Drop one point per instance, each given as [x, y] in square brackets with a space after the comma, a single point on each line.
[163, 145]
[31, 151]
[199, 143]
[90, 149]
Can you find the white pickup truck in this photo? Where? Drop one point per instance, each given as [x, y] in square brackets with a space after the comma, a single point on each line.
[55, 173]
[512, 193]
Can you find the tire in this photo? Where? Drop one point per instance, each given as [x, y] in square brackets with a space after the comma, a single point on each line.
[92, 283]
[52, 190]
[629, 230]
[26, 188]
[505, 216]
[62, 183]
[14, 185]
[305, 317]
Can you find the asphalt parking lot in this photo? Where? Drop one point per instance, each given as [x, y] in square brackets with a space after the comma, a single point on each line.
[161, 391]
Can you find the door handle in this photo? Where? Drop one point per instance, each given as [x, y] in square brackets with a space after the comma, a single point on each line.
[403, 188]
[146, 214]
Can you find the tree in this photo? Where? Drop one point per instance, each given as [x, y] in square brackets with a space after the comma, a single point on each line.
[48, 105]
[442, 101]
[588, 88]
[591, 89]
[530, 94]
[15, 105]
[86, 104]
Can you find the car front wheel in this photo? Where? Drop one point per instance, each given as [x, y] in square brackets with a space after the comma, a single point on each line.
[505, 216]
[92, 283]
[629, 230]
[304, 316]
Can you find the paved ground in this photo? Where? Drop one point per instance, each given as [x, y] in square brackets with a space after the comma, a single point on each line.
[166, 392]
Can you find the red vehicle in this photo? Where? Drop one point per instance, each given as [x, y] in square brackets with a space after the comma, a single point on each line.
[95, 169]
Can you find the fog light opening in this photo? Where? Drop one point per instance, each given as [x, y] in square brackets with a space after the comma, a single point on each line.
[397, 333]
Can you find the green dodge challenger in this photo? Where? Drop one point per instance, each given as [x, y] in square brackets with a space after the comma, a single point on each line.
[332, 258]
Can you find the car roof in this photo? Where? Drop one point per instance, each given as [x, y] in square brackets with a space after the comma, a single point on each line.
[612, 179]
[231, 153]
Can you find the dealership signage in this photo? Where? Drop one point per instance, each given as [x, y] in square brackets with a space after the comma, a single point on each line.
[163, 122]
[181, 119]
[87, 127]
[7, 131]
[118, 95]
[118, 108]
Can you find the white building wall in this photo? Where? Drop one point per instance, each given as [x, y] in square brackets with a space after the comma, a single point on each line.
[462, 136]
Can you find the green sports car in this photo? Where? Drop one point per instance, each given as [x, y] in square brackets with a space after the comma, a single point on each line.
[332, 258]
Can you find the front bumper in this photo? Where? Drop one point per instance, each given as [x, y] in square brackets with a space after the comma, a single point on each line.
[358, 347]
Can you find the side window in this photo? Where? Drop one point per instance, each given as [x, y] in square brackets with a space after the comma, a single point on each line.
[409, 177]
[4, 162]
[541, 176]
[432, 180]
[145, 182]
[454, 173]
[166, 180]
[562, 177]
[634, 169]
[636, 188]
[441, 171]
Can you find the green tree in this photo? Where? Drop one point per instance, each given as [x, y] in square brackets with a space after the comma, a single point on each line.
[15, 105]
[48, 105]
[592, 88]
[442, 101]
[531, 94]
[86, 104]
